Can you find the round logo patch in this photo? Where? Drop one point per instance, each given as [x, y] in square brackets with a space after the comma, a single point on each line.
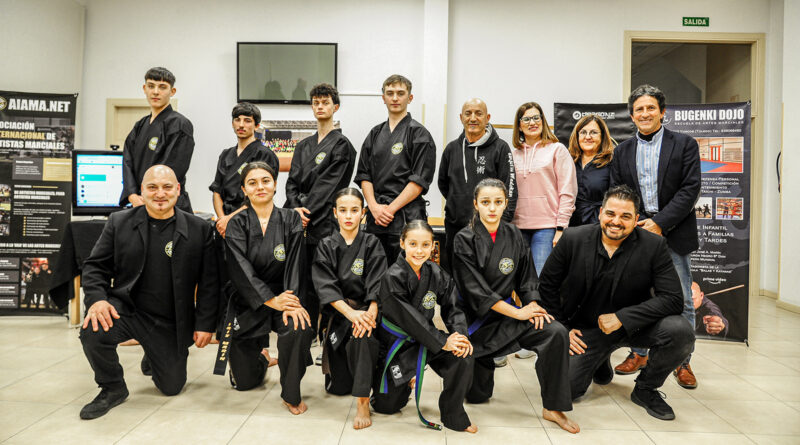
[429, 300]
[397, 148]
[280, 252]
[168, 249]
[153, 142]
[241, 168]
[506, 266]
[358, 267]
[3, 103]
[320, 157]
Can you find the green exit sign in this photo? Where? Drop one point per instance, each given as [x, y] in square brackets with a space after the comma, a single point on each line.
[695, 21]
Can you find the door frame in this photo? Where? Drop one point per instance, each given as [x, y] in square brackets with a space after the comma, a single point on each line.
[757, 42]
[113, 105]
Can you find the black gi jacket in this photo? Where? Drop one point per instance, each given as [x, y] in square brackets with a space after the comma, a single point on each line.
[492, 159]
[168, 141]
[228, 182]
[487, 272]
[119, 257]
[390, 160]
[262, 266]
[351, 273]
[319, 170]
[645, 287]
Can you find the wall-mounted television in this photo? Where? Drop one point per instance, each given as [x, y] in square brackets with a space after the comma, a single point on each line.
[96, 181]
[282, 73]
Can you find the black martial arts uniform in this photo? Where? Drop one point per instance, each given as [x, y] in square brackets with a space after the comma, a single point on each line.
[488, 272]
[408, 301]
[462, 167]
[351, 274]
[390, 160]
[148, 270]
[319, 170]
[262, 266]
[168, 141]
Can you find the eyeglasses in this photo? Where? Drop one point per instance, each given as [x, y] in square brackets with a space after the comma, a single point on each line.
[529, 119]
[593, 133]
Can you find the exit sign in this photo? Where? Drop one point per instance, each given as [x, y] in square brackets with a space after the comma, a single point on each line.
[695, 21]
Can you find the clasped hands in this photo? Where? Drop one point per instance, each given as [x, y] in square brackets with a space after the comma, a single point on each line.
[608, 323]
[289, 304]
[534, 313]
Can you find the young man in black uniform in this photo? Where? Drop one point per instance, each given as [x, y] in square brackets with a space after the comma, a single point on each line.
[162, 137]
[140, 282]
[395, 167]
[613, 284]
[476, 154]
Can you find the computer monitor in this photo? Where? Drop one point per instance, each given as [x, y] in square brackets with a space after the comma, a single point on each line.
[96, 182]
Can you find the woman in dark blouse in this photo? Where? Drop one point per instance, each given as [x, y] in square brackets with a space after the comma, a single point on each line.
[591, 147]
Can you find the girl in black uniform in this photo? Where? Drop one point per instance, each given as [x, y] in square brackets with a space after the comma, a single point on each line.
[410, 290]
[265, 247]
[490, 261]
[347, 273]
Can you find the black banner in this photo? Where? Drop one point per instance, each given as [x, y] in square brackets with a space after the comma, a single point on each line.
[37, 135]
[619, 122]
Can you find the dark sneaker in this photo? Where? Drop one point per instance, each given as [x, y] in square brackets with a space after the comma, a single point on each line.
[146, 368]
[604, 374]
[104, 401]
[653, 401]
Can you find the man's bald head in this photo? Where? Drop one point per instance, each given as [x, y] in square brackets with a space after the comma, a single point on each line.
[159, 171]
[160, 191]
[475, 117]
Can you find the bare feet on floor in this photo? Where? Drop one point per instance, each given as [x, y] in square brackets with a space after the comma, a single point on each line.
[561, 420]
[412, 382]
[270, 361]
[298, 409]
[472, 429]
[362, 419]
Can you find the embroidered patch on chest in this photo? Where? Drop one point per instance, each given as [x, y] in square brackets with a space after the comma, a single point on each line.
[168, 249]
[241, 167]
[358, 267]
[506, 266]
[280, 252]
[320, 157]
[429, 300]
[153, 142]
[397, 148]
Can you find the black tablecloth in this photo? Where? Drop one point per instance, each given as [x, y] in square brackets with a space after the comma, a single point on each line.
[79, 239]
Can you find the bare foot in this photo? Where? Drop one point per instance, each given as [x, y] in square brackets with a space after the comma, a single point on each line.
[130, 342]
[362, 419]
[472, 429]
[412, 382]
[270, 361]
[561, 420]
[298, 409]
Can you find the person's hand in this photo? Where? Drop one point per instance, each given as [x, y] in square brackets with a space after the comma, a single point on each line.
[299, 316]
[608, 323]
[284, 302]
[535, 313]
[222, 224]
[101, 312]
[557, 237]
[576, 345]
[649, 225]
[714, 324]
[458, 344]
[135, 200]
[362, 323]
[303, 212]
[382, 215]
[201, 339]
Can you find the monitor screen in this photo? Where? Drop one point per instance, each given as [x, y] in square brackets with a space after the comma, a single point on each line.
[283, 72]
[97, 181]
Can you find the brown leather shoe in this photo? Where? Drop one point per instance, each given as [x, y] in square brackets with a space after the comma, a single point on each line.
[685, 376]
[633, 363]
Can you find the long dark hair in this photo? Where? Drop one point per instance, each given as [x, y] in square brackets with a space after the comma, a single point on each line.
[348, 191]
[485, 182]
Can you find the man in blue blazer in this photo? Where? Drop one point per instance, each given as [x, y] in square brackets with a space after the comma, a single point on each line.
[664, 167]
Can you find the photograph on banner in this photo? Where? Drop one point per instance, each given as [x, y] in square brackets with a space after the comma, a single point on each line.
[35, 284]
[616, 116]
[283, 136]
[721, 266]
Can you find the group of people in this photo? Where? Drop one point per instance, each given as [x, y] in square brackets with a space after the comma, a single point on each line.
[563, 253]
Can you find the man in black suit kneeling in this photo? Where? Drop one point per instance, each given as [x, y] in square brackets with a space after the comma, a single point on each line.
[613, 284]
[140, 283]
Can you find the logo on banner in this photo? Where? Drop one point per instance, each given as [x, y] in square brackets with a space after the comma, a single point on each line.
[358, 267]
[429, 300]
[3, 103]
[320, 157]
[168, 249]
[576, 115]
[279, 252]
[506, 266]
[153, 142]
[397, 148]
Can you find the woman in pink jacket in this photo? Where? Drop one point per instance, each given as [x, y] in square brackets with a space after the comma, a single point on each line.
[546, 182]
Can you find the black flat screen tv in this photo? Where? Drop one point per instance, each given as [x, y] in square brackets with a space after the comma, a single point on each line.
[96, 182]
[282, 73]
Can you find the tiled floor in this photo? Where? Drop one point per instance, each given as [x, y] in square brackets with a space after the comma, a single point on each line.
[745, 395]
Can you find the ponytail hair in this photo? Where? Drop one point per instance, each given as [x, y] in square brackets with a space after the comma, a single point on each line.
[417, 224]
[485, 183]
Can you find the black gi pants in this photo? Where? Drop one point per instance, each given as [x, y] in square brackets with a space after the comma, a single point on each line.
[446, 251]
[456, 373]
[551, 344]
[312, 299]
[159, 341]
[248, 368]
[352, 365]
[391, 245]
[670, 340]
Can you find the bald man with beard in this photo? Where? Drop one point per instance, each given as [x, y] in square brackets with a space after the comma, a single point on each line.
[140, 282]
[476, 154]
